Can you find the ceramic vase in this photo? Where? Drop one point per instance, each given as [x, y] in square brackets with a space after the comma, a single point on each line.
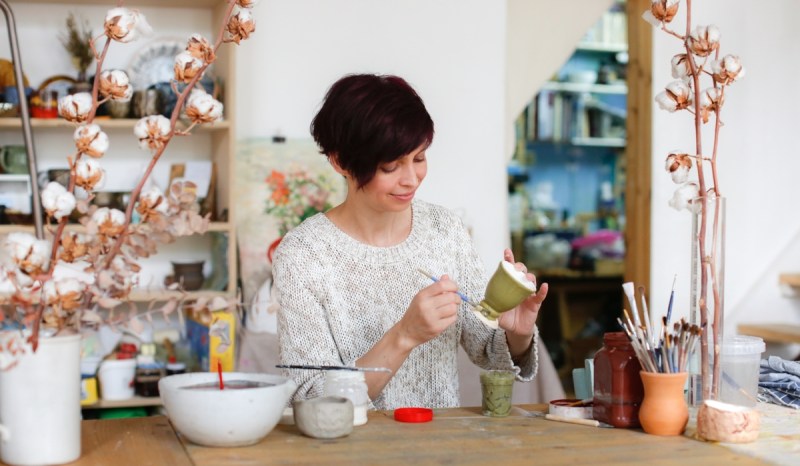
[40, 408]
[707, 276]
[663, 410]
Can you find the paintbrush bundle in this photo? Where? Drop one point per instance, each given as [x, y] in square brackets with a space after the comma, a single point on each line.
[659, 349]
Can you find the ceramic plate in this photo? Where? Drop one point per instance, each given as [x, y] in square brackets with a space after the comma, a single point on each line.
[154, 63]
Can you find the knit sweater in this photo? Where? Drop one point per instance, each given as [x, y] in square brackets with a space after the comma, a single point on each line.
[339, 296]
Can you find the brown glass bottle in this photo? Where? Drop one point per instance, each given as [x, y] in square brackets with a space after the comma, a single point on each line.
[618, 389]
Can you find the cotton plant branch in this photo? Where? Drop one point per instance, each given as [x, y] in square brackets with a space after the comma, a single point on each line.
[686, 94]
[108, 251]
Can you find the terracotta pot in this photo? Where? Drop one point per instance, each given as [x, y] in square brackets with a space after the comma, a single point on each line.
[664, 410]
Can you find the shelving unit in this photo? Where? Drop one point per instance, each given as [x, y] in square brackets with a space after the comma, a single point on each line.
[214, 143]
[570, 171]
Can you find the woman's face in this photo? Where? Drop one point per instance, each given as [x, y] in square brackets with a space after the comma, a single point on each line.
[395, 183]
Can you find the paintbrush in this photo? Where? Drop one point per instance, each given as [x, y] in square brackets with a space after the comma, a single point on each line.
[333, 368]
[463, 297]
[671, 298]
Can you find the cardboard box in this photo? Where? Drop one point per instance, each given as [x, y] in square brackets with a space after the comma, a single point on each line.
[213, 340]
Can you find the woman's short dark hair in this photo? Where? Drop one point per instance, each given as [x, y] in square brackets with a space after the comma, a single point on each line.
[367, 120]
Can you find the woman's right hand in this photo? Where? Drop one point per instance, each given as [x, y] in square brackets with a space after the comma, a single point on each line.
[431, 311]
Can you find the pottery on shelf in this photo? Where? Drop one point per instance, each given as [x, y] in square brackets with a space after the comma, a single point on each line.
[324, 417]
[188, 274]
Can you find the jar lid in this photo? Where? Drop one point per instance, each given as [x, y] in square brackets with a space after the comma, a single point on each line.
[742, 345]
[413, 414]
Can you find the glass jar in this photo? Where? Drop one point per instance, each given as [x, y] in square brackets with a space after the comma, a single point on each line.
[352, 385]
[618, 390]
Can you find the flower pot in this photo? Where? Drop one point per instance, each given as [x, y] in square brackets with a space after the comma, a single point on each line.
[40, 408]
[664, 410]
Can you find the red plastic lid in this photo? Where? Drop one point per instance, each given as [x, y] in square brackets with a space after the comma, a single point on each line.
[413, 414]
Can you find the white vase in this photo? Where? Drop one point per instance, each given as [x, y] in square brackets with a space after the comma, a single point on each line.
[40, 413]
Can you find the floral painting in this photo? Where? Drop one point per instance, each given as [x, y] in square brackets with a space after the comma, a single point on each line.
[304, 182]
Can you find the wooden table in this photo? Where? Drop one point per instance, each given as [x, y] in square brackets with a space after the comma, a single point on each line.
[455, 436]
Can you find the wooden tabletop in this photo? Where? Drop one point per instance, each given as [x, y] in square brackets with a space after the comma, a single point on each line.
[463, 436]
[455, 436]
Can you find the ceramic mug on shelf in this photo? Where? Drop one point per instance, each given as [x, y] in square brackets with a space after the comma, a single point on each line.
[14, 159]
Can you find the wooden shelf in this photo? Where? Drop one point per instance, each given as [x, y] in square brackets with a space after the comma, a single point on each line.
[790, 279]
[772, 333]
[224, 227]
[135, 402]
[105, 123]
[141, 296]
[581, 87]
[598, 142]
[600, 47]
[162, 3]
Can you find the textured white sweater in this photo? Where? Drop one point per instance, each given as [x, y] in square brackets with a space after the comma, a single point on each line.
[339, 296]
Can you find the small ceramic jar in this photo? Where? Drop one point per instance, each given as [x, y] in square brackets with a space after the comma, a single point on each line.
[324, 417]
[351, 385]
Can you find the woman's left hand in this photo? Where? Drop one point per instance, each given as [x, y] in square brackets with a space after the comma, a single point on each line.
[519, 322]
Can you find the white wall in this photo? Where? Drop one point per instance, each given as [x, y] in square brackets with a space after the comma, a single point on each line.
[451, 51]
[758, 164]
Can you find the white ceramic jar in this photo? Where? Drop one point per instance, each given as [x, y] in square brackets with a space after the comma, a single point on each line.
[352, 385]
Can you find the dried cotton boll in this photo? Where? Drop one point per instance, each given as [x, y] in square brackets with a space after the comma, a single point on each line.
[704, 40]
[202, 108]
[661, 11]
[125, 25]
[727, 70]
[201, 49]
[152, 200]
[57, 201]
[710, 101]
[152, 131]
[723, 422]
[186, 66]
[116, 85]
[676, 96]
[75, 108]
[110, 222]
[30, 254]
[63, 293]
[247, 3]
[89, 174]
[680, 67]
[682, 198]
[678, 166]
[91, 140]
[240, 26]
[518, 275]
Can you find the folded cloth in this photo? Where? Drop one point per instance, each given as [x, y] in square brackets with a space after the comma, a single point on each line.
[779, 382]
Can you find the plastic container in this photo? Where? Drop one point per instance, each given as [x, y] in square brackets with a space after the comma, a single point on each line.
[618, 389]
[116, 379]
[352, 385]
[741, 358]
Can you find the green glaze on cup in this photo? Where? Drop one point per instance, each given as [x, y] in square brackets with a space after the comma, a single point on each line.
[496, 388]
[503, 293]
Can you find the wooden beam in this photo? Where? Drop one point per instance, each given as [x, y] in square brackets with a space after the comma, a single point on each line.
[638, 152]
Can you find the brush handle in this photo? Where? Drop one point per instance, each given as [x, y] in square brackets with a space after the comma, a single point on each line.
[333, 368]
[460, 294]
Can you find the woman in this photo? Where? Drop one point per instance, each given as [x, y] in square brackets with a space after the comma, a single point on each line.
[350, 292]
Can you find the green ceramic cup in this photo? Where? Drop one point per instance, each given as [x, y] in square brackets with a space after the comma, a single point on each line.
[503, 293]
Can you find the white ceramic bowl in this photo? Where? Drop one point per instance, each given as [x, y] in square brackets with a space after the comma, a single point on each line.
[229, 417]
